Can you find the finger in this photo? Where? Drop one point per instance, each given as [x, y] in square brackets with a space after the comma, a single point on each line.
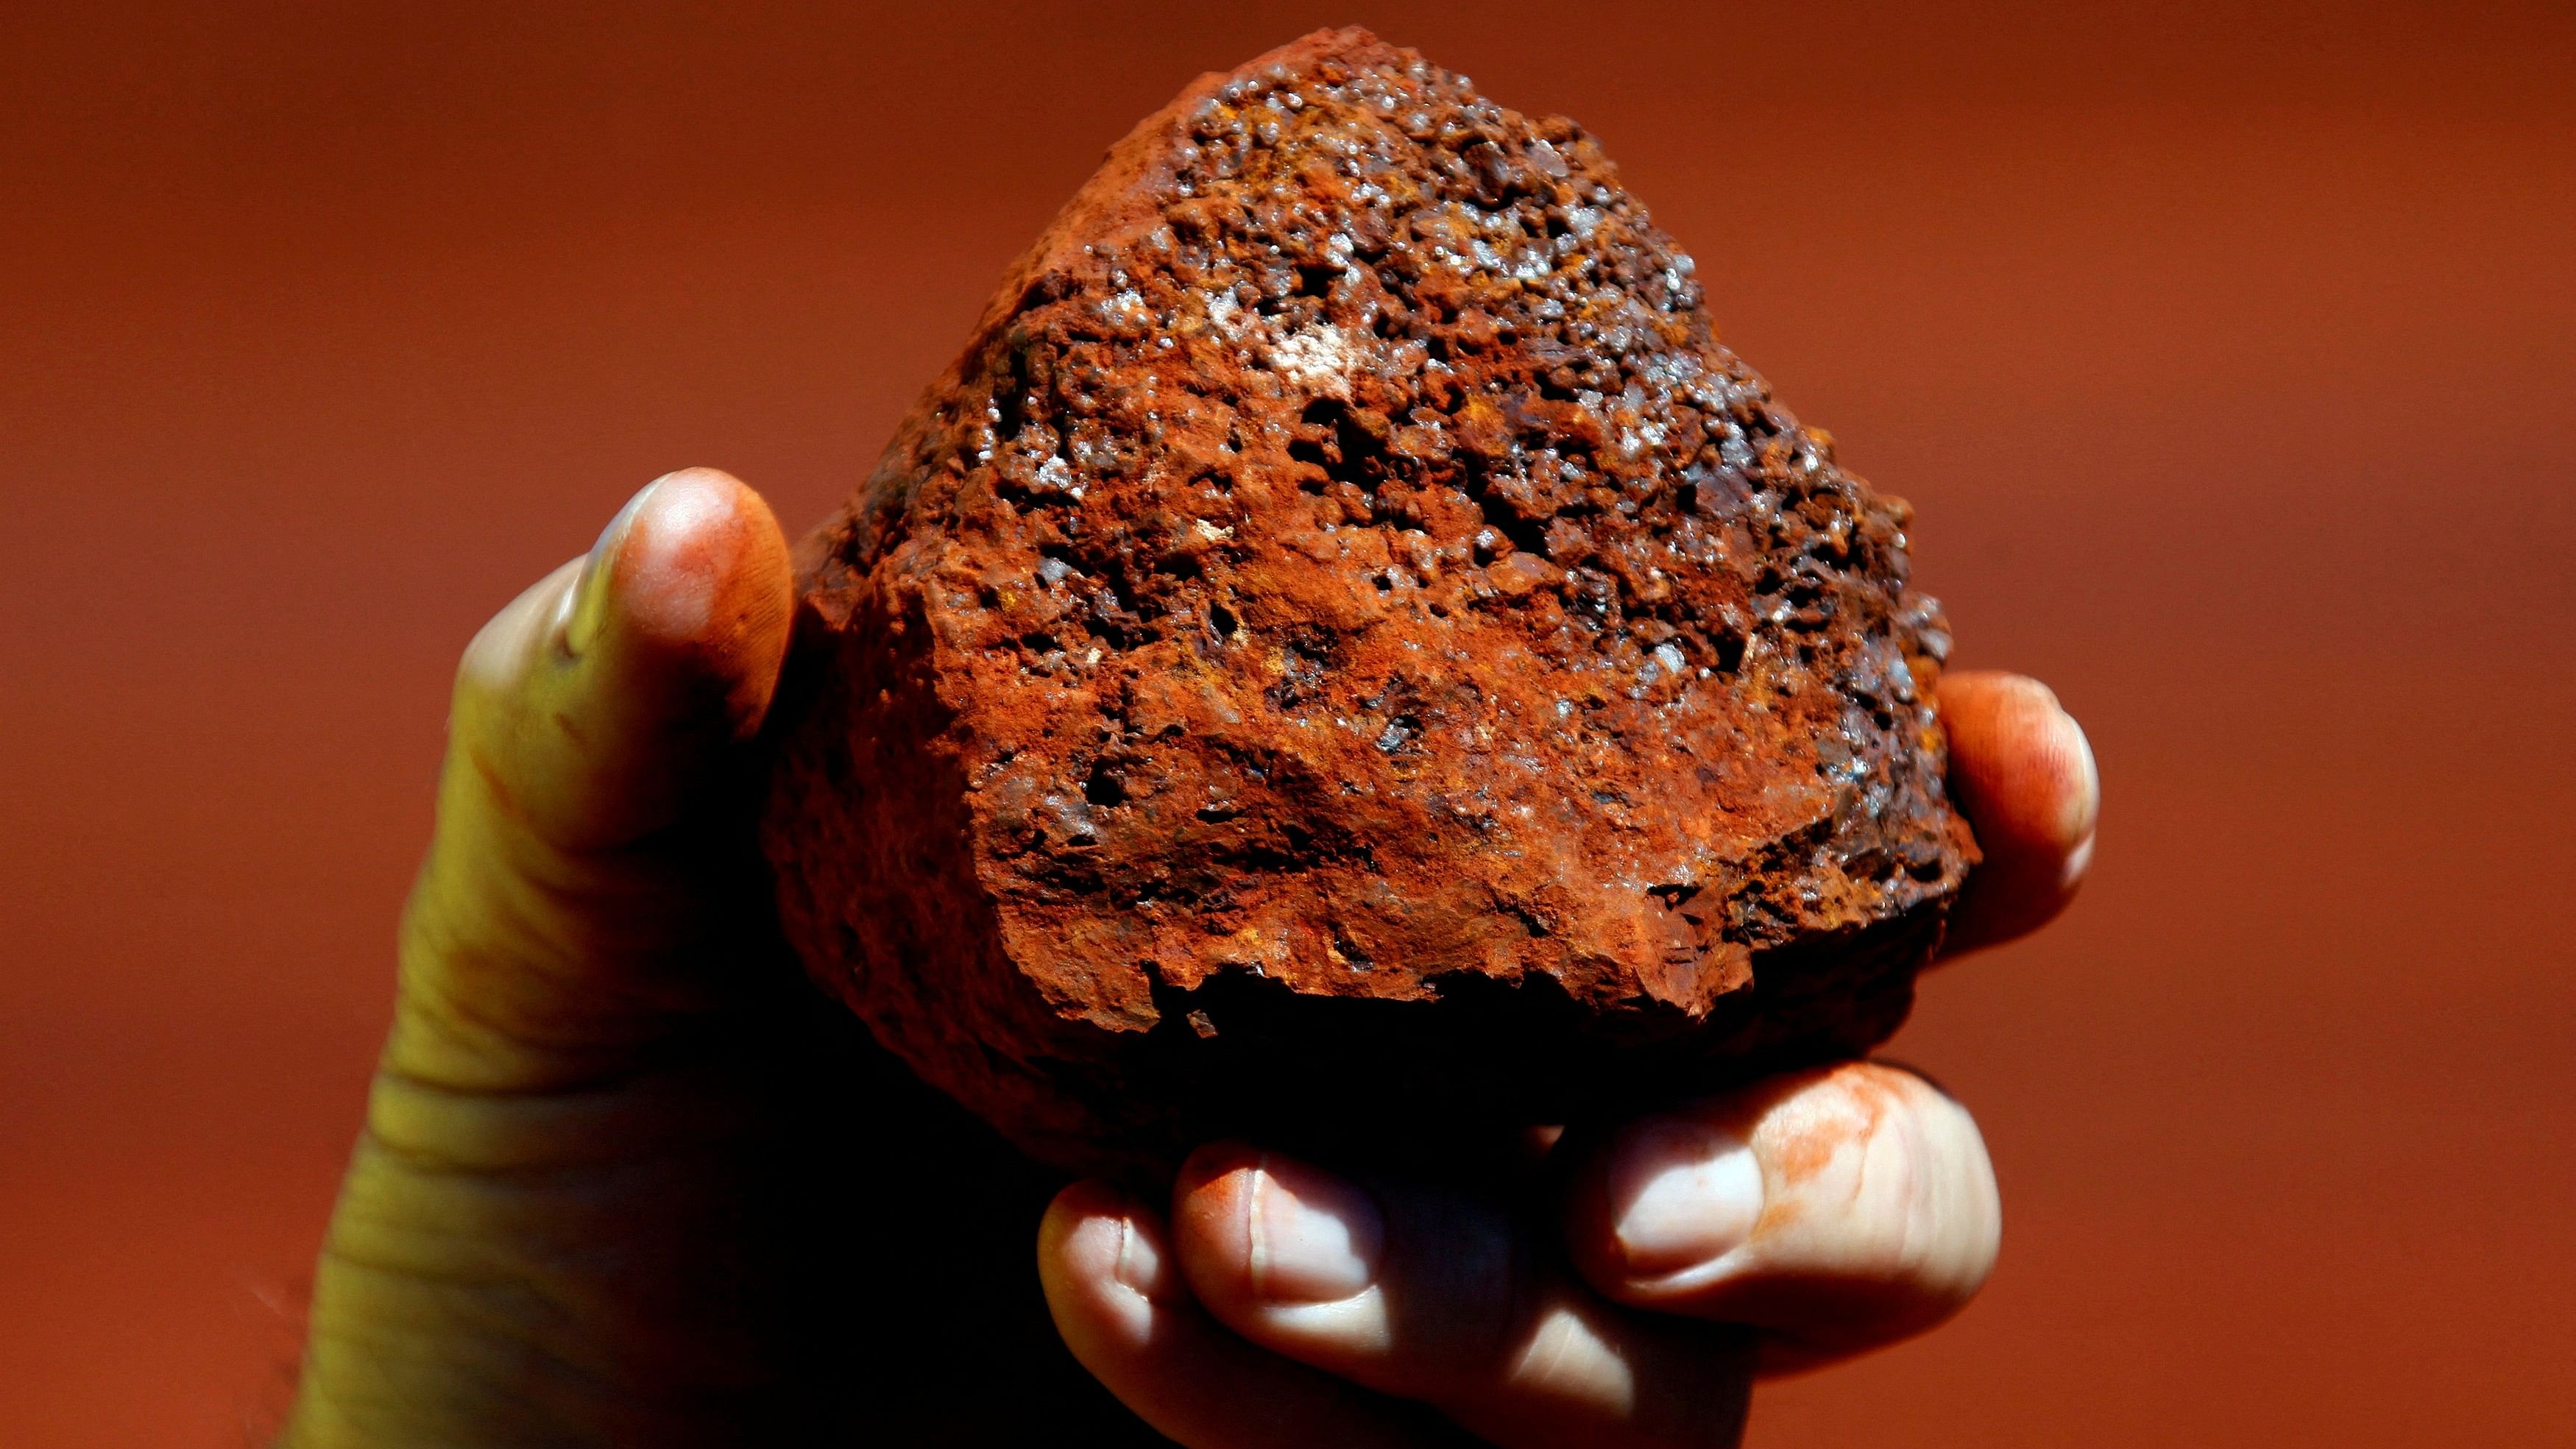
[2022, 772]
[1445, 1297]
[576, 862]
[1119, 1301]
[1837, 1209]
[602, 697]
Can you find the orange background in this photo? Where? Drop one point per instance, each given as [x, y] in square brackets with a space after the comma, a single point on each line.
[2229, 354]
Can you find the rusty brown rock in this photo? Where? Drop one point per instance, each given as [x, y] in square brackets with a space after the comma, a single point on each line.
[1345, 653]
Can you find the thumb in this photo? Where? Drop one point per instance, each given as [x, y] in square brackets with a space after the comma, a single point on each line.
[585, 873]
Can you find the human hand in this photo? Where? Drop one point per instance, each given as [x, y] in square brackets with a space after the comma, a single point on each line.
[1628, 1292]
[625, 1181]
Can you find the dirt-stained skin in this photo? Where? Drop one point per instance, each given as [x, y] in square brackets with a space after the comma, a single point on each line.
[1345, 645]
[1797, 1149]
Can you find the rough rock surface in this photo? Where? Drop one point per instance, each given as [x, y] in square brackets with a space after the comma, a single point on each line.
[1346, 653]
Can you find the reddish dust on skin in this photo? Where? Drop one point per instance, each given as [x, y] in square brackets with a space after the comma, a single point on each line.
[720, 587]
[2046, 805]
[1796, 1152]
[1345, 652]
[2036, 820]
[757, 609]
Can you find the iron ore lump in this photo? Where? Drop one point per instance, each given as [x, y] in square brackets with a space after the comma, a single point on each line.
[1346, 655]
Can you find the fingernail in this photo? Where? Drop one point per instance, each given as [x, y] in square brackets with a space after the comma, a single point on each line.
[1314, 1237]
[1140, 1267]
[2079, 862]
[2085, 810]
[586, 604]
[1682, 1194]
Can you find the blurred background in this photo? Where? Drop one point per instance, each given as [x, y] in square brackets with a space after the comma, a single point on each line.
[2227, 351]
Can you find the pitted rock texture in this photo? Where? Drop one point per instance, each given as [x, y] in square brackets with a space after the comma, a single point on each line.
[1346, 654]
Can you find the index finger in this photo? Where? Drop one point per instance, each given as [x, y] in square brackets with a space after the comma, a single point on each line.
[2022, 772]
